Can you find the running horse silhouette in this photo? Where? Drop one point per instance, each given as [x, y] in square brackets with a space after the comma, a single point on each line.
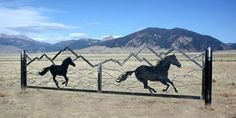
[154, 73]
[59, 70]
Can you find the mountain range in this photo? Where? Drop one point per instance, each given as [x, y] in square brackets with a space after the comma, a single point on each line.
[167, 38]
[231, 45]
[151, 37]
[22, 42]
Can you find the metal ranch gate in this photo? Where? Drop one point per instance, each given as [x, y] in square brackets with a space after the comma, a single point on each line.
[205, 68]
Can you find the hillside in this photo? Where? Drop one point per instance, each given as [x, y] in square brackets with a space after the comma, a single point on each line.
[76, 44]
[14, 43]
[9, 49]
[232, 45]
[166, 38]
[23, 42]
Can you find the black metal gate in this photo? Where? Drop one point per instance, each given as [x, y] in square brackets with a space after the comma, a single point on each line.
[205, 67]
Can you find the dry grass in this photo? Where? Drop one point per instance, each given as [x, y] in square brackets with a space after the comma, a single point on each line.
[45, 103]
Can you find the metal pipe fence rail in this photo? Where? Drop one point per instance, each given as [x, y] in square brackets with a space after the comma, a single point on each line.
[198, 60]
[206, 67]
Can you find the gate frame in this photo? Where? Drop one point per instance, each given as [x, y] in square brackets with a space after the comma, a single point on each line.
[207, 77]
[206, 80]
[23, 70]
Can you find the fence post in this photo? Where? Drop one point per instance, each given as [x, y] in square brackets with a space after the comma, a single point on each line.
[208, 76]
[23, 70]
[100, 78]
[203, 76]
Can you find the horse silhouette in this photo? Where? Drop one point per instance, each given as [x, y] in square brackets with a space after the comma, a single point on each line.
[154, 73]
[60, 70]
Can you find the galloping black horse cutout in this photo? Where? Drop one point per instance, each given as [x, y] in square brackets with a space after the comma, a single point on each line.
[154, 73]
[59, 70]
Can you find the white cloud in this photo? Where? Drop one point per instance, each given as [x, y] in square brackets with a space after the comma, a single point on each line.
[28, 20]
[42, 27]
[49, 37]
[110, 36]
[116, 36]
[78, 35]
[56, 37]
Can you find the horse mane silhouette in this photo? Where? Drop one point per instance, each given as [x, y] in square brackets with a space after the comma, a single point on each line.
[153, 73]
[60, 70]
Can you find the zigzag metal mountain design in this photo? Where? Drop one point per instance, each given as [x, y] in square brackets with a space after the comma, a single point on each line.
[38, 58]
[121, 63]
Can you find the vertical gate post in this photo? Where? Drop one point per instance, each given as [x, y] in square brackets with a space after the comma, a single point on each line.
[208, 76]
[100, 78]
[23, 70]
[203, 76]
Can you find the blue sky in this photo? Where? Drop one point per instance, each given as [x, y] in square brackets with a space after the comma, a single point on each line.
[56, 20]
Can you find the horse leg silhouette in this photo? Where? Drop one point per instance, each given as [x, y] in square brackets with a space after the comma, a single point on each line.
[167, 86]
[56, 82]
[165, 83]
[172, 84]
[145, 83]
[66, 80]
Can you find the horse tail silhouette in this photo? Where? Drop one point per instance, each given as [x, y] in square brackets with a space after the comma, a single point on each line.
[44, 71]
[124, 76]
